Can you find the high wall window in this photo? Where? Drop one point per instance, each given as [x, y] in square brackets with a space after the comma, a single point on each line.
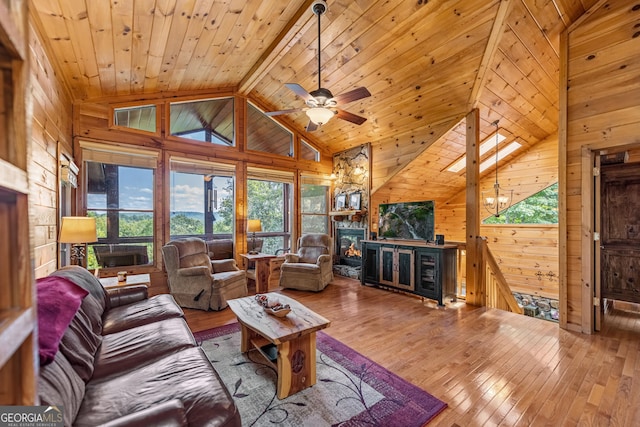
[209, 120]
[269, 199]
[541, 208]
[201, 199]
[141, 117]
[266, 135]
[120, 193]
[307, 152]
[314, 204]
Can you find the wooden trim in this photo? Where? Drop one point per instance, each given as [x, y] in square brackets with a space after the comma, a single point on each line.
[488, 58]
[475, 288]
[586, 240]
[597, 291]
[562, 179]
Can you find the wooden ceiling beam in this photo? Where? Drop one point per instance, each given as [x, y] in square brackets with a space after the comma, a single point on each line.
[279, 47]
[489, 52]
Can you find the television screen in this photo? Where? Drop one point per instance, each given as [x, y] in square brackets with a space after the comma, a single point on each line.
[410, 220]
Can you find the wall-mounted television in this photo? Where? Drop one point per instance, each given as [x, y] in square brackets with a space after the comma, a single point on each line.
[409, 220]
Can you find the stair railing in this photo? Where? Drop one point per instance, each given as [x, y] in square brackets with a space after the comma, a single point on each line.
[497, 291]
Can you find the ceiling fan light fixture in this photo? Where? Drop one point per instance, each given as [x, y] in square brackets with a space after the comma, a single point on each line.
[320, 115]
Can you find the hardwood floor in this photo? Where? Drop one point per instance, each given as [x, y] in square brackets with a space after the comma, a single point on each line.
[490, 366]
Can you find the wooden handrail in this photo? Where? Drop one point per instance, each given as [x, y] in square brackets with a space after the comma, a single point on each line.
[497, 291]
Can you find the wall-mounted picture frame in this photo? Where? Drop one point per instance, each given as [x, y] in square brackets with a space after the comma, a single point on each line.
[341, 202]
[355, 201]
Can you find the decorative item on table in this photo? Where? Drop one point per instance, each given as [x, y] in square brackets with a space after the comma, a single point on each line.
[78, 230]
[355, 201]
[273, 306]
[122, 276]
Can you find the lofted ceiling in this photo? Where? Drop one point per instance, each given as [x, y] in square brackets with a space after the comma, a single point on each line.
[427, 63]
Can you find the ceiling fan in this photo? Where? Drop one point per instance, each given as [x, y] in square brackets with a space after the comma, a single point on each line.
[321, 104]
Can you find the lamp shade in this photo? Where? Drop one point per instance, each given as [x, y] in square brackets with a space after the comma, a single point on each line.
[320, 115]
[78, 229]
[254, 226]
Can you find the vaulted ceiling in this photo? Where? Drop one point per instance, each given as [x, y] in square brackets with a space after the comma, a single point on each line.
[427, 63]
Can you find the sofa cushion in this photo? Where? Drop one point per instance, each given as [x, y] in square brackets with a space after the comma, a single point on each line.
[186, 375]
[58, 302]
[220, 248]
[225, 278]
[192, 252]
[83, 337]
[156, 308]
[167, 414]
[135, 347]
[58, 384]
[83, 278]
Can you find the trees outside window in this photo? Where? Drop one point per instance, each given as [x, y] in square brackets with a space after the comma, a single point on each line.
[270, 202]
[314, 212]
[541, 208]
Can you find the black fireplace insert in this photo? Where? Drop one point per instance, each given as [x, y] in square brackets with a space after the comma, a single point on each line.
[348, 245]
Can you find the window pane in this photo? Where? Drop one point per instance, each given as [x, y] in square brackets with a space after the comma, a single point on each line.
[314, 224]
[121, 199]
[209, 120]
[266, 135]
[270, 202]
[307, 152]
[201, 205]
[314, 198]
[540, 208]
[141, 117]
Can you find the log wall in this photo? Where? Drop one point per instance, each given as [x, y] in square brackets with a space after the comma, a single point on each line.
[50, 136]
[600, 111]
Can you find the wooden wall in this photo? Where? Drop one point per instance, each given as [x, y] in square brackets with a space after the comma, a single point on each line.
[50, 135]
[600, 111]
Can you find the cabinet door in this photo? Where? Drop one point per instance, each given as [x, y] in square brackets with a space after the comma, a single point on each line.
[387, 265]
[428, 274]
[370, 263]
[405, 269]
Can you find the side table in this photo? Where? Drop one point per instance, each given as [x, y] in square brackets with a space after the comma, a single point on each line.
[132, 280]
[262, 269]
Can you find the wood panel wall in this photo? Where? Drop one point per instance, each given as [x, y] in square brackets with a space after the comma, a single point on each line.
[601, 111]
[523, 251]
[50, 136]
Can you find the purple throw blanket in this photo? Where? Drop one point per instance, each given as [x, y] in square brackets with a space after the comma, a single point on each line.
[58, 302]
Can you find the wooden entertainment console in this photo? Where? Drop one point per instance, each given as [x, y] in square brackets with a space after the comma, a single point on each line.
[411, 266]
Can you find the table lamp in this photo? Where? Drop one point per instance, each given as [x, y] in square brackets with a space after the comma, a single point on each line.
[253, 226]
[78, 230]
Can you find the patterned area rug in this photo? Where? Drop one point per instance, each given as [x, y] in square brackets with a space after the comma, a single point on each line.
[351, 390]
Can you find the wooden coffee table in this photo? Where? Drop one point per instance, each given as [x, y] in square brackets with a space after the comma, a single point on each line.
[288, 343]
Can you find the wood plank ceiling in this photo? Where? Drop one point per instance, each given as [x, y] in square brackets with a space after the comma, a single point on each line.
[426, 63]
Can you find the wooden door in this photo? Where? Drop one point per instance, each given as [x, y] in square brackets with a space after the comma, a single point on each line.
[620, 232]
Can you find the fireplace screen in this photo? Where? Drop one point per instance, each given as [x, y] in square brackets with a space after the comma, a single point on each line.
[349, 247]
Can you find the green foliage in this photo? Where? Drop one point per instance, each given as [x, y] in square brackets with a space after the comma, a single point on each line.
[266, 203]
[183, 225]
[541, 208]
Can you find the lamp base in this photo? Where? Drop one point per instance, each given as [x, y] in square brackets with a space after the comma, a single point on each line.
[253, 252]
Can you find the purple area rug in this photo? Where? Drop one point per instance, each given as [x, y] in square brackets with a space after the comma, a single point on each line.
[351, 390]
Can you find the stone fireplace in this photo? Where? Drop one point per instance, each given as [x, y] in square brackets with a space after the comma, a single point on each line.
[349, 251]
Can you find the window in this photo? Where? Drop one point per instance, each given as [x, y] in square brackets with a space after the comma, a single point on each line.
[541, 208]
[269, 195]
[209, 120]
[120, 194]
[141, 117]
[307, 152]
[201, 199]
[266, 135]
[314, 196]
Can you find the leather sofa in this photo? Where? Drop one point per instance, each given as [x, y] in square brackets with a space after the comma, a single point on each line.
[128, 360]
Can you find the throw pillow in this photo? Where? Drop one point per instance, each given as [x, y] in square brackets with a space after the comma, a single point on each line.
[58, 302]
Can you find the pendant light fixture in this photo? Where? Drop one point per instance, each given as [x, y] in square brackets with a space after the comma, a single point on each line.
[500, 199]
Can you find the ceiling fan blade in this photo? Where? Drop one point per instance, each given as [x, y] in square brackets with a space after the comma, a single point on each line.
[278, 113]
[350, 117]
[352, 95]
[299, 90]
[311, 126]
